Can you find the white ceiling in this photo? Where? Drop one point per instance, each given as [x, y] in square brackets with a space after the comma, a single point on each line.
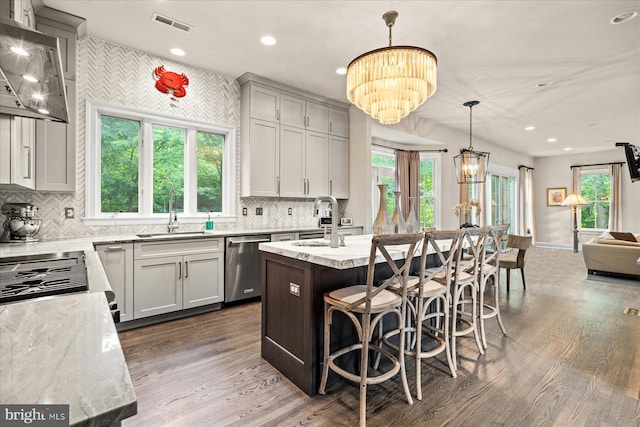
[492, 51]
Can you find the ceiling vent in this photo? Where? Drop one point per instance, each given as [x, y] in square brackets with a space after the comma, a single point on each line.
[171, 22]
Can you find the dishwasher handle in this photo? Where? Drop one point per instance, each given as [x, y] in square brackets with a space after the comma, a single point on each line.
[231, 241]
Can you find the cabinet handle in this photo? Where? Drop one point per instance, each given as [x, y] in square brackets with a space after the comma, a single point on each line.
[307, 121]
[114, 248]
[278, 182]
[28, 156]
[186, 269]
[179, 270]
[330, 187]
[278, 114]
[330, 126]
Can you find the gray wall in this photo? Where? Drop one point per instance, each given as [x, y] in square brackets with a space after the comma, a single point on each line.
[554, 224]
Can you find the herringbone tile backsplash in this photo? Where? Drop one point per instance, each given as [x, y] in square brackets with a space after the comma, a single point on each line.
[120, 75]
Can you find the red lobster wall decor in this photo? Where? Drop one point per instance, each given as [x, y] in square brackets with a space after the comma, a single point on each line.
[170, 82]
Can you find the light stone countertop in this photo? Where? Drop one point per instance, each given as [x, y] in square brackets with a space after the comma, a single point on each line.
[65, 350]
[355, 253]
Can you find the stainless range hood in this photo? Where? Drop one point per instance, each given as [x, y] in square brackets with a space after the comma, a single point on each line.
[26, 52]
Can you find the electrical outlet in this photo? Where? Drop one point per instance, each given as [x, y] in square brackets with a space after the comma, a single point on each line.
[244, 211]
[68, 213]
[294, 289]
[290, 211]
[258, 211]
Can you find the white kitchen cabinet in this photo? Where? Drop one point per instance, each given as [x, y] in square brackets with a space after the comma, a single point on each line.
[304, 114]
[261, 159]
[338, 122]
[203, 279]
[291, 175]
[171, 276]
[317, 164]
[285, 140]
[264, 104]
[20, 11]
[56, 150]
[338, 167]
[17, 159]
[117, 260]
[157, 286]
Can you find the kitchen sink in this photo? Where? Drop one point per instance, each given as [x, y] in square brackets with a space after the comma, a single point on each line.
[311, 244]
[165, 234]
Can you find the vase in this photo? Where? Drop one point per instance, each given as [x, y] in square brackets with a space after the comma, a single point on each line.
[382, 223]
[397, 219]
[412, 223]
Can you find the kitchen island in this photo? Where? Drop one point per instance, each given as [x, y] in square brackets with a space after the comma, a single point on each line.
[295, 276]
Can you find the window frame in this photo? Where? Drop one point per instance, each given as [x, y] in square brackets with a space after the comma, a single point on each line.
[593, 171]
[93, 214]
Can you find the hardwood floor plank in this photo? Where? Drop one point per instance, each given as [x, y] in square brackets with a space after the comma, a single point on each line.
[571, 359]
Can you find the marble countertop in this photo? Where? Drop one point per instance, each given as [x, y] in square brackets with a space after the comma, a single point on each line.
[355, 253]
[65, 349]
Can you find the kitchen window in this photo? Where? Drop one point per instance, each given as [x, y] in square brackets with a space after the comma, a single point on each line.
[383, 165]
[135, 158]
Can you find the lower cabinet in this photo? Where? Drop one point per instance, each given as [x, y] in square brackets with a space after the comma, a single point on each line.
[117, 260]
[171, 276]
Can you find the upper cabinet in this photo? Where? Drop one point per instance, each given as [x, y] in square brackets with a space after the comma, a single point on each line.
[17, 140]
[56, 142]
[285, 142]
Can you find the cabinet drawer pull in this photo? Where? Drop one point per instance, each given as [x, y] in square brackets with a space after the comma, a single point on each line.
[186, 269]
[179, 270]
[114, 248]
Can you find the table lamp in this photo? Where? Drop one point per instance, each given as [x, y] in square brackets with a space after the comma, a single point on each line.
[574, 200]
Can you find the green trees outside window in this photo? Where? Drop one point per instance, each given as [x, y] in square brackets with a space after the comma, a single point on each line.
[595, 187]
[119, 164]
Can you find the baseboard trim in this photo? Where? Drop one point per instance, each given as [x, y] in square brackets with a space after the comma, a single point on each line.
[555, 246]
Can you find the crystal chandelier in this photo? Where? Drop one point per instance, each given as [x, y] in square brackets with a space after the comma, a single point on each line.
[390, 82]
[471, 166]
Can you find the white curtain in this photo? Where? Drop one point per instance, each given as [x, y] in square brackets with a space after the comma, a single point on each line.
[615, 198]
[526, 225]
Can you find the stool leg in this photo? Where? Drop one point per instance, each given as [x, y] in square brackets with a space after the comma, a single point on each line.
[483, 285]
[524, 285]
[496, 301]
[474, 316]
[508, 278]
[325, 358]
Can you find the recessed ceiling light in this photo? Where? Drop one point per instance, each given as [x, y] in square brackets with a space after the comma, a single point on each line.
[178, 52]
[19, 51]
[37, 96]
[268, 40]
[552, 140]
[529, 128]
[544, 84]
[30, 78]
[624, 17]
[342, 71]
[567, 149]
[43, 111]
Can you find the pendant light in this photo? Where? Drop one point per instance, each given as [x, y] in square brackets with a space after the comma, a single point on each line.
[390, 82]
[471, 165]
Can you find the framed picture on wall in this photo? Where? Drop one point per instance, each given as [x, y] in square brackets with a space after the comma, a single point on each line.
[555, 196]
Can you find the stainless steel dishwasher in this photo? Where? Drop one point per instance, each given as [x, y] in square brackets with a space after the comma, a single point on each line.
[243, 267]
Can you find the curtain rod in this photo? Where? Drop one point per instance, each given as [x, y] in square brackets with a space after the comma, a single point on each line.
[441, 150]
[526, 167]
[598, 164]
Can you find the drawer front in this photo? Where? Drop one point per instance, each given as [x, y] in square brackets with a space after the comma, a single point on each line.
[145, 250]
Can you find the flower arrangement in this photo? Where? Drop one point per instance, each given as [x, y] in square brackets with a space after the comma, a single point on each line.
[462, 209]
[475, 204]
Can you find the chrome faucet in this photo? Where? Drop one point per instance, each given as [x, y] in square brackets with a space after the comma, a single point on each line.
[334, 215]
[173, 212]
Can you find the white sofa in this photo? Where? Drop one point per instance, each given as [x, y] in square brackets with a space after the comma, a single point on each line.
[607, 255]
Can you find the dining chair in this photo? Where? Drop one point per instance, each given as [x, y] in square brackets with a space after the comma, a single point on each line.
[366, 305]
[512, 260]
[488, 274]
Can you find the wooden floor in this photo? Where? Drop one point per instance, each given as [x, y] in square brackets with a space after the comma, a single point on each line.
[572, 358]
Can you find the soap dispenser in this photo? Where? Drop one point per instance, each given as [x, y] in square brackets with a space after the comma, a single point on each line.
[209, 223]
